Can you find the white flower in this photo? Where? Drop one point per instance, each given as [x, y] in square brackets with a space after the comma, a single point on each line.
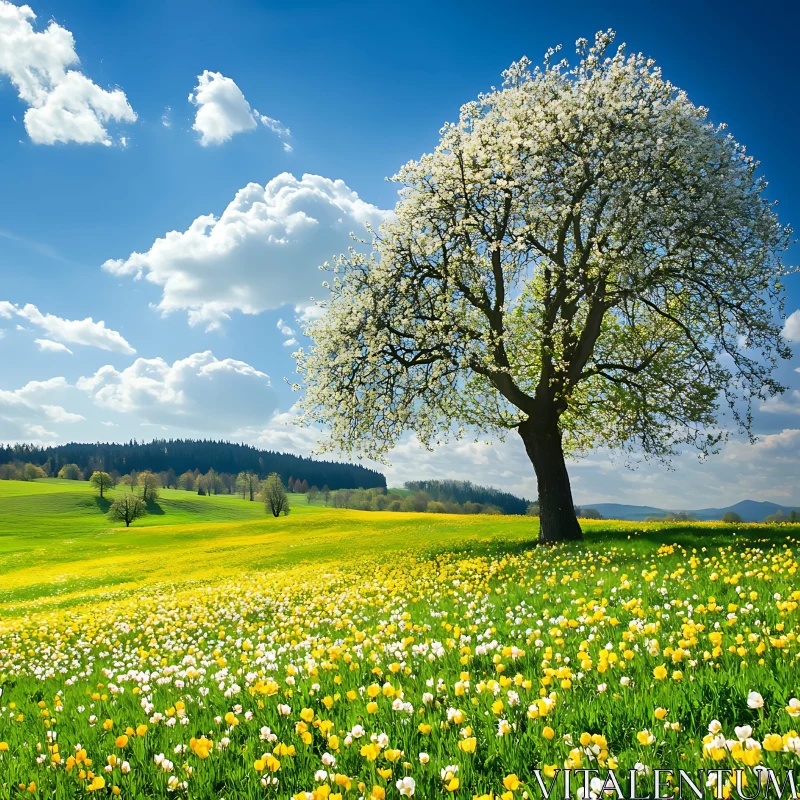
[793, 709]
[406, 786]
[424, 758]
[715, 726]
[743, 732]
[755, 700]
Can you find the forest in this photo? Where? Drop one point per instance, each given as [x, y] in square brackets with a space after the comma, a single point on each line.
[188, 455]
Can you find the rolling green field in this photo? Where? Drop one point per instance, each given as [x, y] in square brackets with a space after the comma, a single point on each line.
[214, 651]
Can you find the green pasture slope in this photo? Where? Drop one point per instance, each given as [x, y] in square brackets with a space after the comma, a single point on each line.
[58, 547]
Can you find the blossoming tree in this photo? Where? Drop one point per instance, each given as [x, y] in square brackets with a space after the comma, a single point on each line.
[583, 258]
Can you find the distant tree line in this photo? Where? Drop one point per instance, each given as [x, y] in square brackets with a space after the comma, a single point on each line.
[178, 456]
[581, 512]
[449, 491]
[441, 497]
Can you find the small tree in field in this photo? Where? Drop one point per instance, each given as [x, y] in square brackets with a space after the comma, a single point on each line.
[101, 481]
[731, 517]
[70, 472]
[127, 508]
[274, 495]
[150, 483]
[583, 259]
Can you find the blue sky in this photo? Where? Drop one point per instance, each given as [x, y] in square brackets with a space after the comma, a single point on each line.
[361, 88]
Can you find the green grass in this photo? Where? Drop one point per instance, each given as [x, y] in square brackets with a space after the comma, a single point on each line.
[638, 626]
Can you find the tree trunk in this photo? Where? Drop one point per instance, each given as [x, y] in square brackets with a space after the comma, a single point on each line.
[557, 520]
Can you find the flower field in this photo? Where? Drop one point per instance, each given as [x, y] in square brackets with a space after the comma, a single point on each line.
[447, 664]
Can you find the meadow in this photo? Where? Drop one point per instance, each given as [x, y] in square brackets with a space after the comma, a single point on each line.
[210, 651]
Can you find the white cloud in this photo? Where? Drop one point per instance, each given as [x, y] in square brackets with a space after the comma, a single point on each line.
[49, 346]
[7, 310]
[287, 331]
[284, 328]
[2, 333]
[791, 329]
[262, 253]
[223, 111]
[58, 414]
[783, 404]
[64, 105]
[200, 392]
[25, 411]
[39, 432]
[166, 117]
[306, 314]
[74, 331]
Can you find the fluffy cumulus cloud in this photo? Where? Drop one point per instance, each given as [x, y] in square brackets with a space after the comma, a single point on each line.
[70, 331]
[49, 346]
[197, 393]
[64, 105]
[263, 252]
[287, 331]
[788, 403]
[223, 111]
[27, 413]
[791, 329]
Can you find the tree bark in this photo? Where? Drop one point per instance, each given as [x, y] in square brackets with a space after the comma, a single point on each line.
[557, 520]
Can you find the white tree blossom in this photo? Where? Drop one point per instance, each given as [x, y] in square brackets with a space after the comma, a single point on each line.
[581, 259]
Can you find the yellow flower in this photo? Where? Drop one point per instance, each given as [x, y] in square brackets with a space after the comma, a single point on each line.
[370, 751]
[512, 782]
[121, 741]
[468, 745]
[645, 738]
[773, 742]
[548, 732]
[660, 672]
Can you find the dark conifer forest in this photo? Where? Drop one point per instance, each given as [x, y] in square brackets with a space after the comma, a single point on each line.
[182, 455]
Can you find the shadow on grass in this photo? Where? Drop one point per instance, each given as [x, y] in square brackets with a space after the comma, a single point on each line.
[103, 504]
[154, 508]
[637, 540]
[689, 535]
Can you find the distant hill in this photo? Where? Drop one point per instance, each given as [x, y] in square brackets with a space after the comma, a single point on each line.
[748, 510]
[182, 455]
[620, 511]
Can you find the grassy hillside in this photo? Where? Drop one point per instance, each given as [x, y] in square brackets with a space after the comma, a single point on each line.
[58, 547]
